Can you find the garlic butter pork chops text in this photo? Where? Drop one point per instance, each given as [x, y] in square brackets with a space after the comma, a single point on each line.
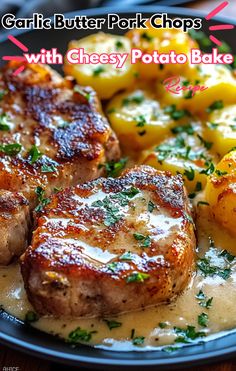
[52, 135]
[111, 245]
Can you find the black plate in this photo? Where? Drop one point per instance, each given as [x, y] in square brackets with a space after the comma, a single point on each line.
[19, 336]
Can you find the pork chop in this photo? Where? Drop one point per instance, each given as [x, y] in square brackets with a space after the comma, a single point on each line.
[111, 245]
[52, 134]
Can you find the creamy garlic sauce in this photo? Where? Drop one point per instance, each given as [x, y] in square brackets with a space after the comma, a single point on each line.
[181, 312]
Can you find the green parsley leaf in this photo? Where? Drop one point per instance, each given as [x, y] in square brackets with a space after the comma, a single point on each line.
[206, 144]
[137, 277]
[162, 324]
[77, 89]
[31, 317]
[112, 266]
[126, 256]
[200, 37]
[212, 125]
[189, 174]
[97, 71]
[40, 192]
[146, 37]
[146, 241]
[138, 340]
[170, 349]
[203, 319]
[218, 104]
[174, 113]
[227, 256]
[151, 206]
[79, 335]
[112, 324]
[137, 98]
[141, 121]
[187, 335]
[113, 169]
[119, 44]
[203, 300]
[4, 126]
[48, 168]
[183, 129]
[210, 170]
[202, 203]
[220, 173]
[34, 154]
[11, 149]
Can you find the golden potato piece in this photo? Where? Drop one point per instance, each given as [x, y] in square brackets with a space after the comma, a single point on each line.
[138, 119]
[162, 40]
[106, 79]
[221, 192]
[221, 129]
[220, 84]
[187, 154]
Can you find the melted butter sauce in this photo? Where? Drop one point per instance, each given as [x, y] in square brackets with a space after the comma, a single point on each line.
[181, 312]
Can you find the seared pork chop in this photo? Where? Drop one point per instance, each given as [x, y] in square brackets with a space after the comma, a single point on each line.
[52, 134]
[111, 245]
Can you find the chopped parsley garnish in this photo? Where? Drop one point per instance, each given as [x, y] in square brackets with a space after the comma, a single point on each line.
[218, 104]
[212, 125]
[40, 192]
[79, 335]
[203, 301]
[34, 154]
[111, 205]
[48, 168]
[126, 256]
[189, 174]
[183, 129]
[198, 187]
[227, 255]
[174, 113]
[31, 317]
[146, 37]
[2, 93]
[232, 127]
[112, 324]
[146, 241]
[220, 173]
[208, 268]
[206, 144]
[187, 335]
[138, 340]
[138, 98]
[112, 266]
[97, 71]
[137, 277]
[77, 89]
[113, 169]
[188, 94]
[4, 126]
[162, 324]
[119, 44]
[208, 171]
[11, 149]
[141, 121]
[151, 206]
[203, 319]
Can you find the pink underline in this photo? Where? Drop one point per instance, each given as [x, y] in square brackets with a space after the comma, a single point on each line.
[215, 40]
[222, 27]
[18, 43]
[13, 58]
[19, 70]
[217, 10]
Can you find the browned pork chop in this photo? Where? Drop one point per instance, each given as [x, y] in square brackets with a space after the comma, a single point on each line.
[51, 135]
[111, 245]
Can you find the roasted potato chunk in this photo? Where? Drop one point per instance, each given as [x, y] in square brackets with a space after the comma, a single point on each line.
[138, 119]
[106, 79]
[221, 129]
[187, 153]
[221, 192]
[163, 40]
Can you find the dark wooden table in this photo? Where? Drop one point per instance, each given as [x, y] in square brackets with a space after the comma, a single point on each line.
[12, 358]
